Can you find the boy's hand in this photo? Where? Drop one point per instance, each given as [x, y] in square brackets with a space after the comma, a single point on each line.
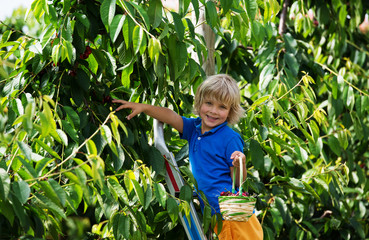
[235, 156]
[135, 107]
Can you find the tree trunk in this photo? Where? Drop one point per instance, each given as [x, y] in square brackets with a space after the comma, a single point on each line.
[282, 22]
[204, 29]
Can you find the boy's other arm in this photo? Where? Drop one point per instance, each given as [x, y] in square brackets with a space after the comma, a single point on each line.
[162, 114]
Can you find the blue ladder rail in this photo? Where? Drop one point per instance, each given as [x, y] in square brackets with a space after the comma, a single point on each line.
[174, 182]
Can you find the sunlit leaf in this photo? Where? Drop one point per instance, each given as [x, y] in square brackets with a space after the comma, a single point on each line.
[107, 11]
[138, 35]
[116, 26]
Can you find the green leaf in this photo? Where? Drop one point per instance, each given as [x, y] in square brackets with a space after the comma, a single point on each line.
[106, 133]
[178, 25]
[83, 19]
[63, 137]
[107, 11]
[83, 79]
[42, 164]
[128, 27]
[148, 197]
[206, 217]
[251, 8]
[187, 172]
[51, 205]
[114, 185]
[282, 207]
[160, 194]
[70, 130]
[196, 7]
[83, 165]
[72, 117]
[143, 14]
[111, 65]
[139, 191]
[20, 212]
[226, 5]
[154, 49]
[4, 185]
[45, 125]
[66, 6]
[161, 216]
[292, 63]
[26, 150]
[334, 145]
[49, 115]
[311, 190]
[257, 155]
[28, 168]
[47, 148]
[121, 226]
[67, 31]
[277, 220]
[186, 193]
[6, 209]
[211, 14]
[155, 13]
[173, 211]
[290, 43]
[59, 191]
[267, 112]
[126, 76]
[71, 52]
[91, 147]
[138, 35]
[116, 26]
[266, 75]
[56, 53]
[296, 184]
[157, 161]
[118, 158]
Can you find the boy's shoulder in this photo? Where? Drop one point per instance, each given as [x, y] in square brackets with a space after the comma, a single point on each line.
[231, 131]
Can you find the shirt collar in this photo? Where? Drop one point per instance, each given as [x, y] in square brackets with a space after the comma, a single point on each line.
[198, 127]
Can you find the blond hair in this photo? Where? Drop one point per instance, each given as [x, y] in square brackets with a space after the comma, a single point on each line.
[223, 88]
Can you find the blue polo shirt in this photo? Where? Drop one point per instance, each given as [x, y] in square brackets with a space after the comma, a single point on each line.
[210, 157]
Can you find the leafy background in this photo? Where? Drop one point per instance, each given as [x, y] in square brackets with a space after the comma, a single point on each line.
[72, 168]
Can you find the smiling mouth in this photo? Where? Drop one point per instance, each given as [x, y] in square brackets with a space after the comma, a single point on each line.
[211, 118]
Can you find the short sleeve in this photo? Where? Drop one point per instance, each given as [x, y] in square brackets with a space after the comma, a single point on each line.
[188, 128]
[235, 144]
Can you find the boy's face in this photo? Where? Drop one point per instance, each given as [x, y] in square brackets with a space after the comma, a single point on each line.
[213, 113]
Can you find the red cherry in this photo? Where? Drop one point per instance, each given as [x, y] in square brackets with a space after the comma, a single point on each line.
[88, 50]
[72, 73]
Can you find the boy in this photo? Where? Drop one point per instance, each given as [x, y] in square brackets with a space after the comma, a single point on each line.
[214, 148]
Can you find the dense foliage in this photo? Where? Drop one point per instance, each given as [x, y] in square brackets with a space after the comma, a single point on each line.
[73, 168]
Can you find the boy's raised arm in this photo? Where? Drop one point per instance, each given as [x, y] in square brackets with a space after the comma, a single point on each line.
[162, 114]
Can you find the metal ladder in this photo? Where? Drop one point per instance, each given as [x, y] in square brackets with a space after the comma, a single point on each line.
[174, 182]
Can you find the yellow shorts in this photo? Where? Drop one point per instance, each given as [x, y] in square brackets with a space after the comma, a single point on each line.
[250, 230]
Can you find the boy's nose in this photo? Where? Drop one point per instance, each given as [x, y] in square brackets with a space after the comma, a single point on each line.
[213, 110]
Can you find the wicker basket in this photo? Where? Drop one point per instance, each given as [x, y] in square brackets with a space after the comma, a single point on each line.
[237, 208]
